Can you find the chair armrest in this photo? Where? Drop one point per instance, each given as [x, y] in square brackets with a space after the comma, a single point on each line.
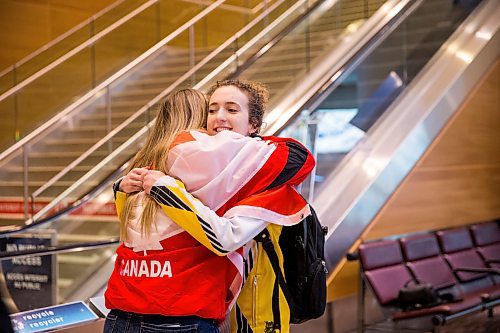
[477, 270]
[493, 261]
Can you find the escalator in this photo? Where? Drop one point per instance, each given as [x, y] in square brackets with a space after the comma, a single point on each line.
[68, 118]
[385, 103]
[407, 89]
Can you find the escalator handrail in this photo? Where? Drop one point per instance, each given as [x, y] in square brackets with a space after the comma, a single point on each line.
[11, 230]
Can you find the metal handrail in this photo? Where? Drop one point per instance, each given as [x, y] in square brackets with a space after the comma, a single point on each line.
[162, 94]
[61, 37]
[71, 108]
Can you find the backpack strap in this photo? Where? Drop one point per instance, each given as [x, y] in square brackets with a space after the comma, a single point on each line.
[276, 306]
[265, 238]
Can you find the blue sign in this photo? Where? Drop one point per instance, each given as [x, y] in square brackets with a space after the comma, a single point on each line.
[52, 317]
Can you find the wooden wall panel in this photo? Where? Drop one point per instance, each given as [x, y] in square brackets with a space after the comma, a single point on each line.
[456, 182]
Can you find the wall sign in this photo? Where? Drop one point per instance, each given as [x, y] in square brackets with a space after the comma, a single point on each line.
[29, 281]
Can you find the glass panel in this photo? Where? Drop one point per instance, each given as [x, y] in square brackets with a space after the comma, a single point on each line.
[50, 93]
[124, 44]
[35, 64]
[9, 122]
[251, 49]
[37, 102]
[7, 80]
[120, 10]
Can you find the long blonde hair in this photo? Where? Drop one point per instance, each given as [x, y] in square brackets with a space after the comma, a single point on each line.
[181, 110]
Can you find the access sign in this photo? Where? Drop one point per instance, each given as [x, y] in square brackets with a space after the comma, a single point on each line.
[30, 281]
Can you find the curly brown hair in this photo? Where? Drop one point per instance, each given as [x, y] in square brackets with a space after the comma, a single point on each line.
[257, 94]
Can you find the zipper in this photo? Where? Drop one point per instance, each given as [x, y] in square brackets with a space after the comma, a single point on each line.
[254, 301]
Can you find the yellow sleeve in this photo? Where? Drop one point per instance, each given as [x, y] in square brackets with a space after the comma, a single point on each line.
[219, 234]
[120, 198]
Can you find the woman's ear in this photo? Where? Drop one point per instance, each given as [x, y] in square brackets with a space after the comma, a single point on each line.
[252, 129]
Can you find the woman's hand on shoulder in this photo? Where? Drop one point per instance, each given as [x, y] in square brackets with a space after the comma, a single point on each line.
[150, 179]
[133, 181]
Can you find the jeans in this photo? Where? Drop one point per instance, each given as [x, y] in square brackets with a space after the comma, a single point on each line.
[126, 322]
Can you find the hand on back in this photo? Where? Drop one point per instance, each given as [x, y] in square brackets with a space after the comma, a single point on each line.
[132, 182]
[140, 179]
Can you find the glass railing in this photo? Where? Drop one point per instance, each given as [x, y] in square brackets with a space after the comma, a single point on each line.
[39, 87]
[46, 166]
[41, 93]
[95, 220]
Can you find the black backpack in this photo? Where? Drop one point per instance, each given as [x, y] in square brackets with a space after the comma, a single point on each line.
[304, 280]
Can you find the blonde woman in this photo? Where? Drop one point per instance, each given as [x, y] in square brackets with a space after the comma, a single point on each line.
[157, 264]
